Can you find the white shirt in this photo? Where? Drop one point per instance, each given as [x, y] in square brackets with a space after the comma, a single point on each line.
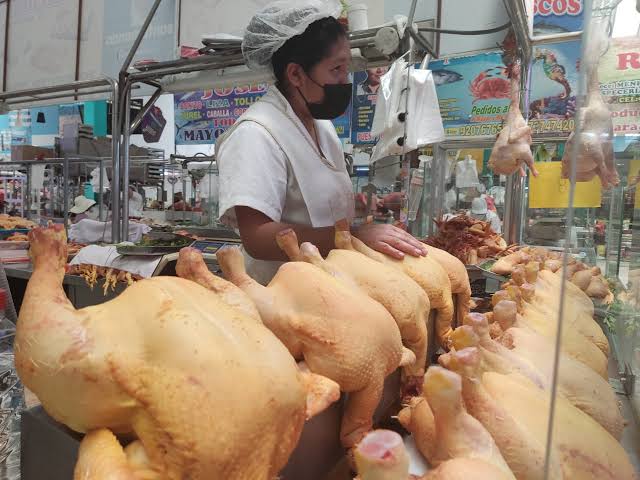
[255, 172]
[135, 205]
[467, 173]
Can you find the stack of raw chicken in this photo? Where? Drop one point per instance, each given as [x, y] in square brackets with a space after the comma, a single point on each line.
[214, 379]
[589, 280]
[491, 402]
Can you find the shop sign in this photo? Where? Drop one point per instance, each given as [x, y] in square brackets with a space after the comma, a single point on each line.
[554, 84]
[619, 74]
[365, 96]
[201, 117]
[473, 93]
[557, 16]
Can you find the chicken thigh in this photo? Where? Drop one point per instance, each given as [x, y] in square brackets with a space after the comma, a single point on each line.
[208, 391]
[340, 332]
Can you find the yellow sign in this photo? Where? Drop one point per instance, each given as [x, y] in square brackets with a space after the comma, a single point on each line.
[550, 190]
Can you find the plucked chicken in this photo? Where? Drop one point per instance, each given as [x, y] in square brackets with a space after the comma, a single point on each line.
[427, 273]
[592, 148]
[457, 434]
[399, 294]
[573, 342]
[459, 278]
[513, 146]
[208, 391]
[515, 412]
[382, 456]
[531, 355]
[340, 332]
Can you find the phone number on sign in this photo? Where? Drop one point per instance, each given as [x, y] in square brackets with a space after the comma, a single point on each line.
[474, 130]
[552, 125]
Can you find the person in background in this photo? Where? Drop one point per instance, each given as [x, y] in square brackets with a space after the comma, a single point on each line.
[136, 203]
[372, 83]
[83, 207]
[480, 211]
[491, 205]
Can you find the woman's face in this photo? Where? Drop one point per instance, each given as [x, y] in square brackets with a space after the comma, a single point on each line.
[334, 69]
[374, 74]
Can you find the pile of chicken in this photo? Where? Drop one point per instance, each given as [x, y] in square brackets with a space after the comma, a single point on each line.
[468, 239]
[484, 411]
[589, 279]
[8, 222]
[205, 379]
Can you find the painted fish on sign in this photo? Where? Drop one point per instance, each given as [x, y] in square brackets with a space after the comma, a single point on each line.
[557, 16]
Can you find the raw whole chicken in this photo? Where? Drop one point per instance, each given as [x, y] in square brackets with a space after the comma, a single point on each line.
[399, 294]
[573, 342]
[531, 355]
[208, 391]
[382, 456]
[515, 412]
[513, 146]
[593, 146]
[459, 278]
[340, 332]
[427, 273]
[457, 434]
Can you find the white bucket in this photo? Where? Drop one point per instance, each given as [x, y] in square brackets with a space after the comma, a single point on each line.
[357, 15]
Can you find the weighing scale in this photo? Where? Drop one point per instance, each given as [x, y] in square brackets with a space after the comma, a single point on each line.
[208, 247]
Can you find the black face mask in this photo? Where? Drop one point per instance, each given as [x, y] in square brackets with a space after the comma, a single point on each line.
[335, 102]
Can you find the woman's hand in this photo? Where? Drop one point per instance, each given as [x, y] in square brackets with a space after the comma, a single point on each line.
[390, 240]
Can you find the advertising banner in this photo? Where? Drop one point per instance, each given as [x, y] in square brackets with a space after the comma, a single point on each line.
[557, 16]
[550, 190]
[619, 74]
[554, 84]
[473, 93]
[201, 117]
[365, 96]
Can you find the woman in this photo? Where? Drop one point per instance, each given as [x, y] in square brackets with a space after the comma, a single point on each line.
[281, 165]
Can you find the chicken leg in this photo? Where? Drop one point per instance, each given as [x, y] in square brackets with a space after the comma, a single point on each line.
[342, 333]
[401, 296]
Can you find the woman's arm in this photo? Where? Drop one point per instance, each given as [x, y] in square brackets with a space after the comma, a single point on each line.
[258, 233]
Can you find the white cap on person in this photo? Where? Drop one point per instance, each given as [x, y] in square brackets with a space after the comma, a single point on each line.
[279, 21]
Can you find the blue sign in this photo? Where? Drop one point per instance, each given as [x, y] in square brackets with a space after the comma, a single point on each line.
[365, 97]
[473, 93]
[201, 117]
[554, 83]
[557, 16]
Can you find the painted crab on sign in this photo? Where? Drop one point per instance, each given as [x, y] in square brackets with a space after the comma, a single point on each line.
[490, 83]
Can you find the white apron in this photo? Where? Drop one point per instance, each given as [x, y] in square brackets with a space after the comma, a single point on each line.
[322, 179]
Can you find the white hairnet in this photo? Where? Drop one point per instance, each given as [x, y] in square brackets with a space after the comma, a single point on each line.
[279, 21]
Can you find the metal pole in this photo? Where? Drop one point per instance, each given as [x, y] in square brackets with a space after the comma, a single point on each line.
[115, 147]
[65, 193]
[101, 188]
[141, 34]
[28, 192]
[125, 162]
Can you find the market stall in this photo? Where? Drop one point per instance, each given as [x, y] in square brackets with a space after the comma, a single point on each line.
[509, 350]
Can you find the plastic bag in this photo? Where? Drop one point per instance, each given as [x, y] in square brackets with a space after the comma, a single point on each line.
[424, 123]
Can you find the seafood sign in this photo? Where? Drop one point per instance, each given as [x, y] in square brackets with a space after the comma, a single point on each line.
[554, 83]
[619, 74]
[557, 16]
[473, 93]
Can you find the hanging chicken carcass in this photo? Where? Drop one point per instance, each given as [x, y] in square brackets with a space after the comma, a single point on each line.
[592, 146]
[512, 149]
[208, 391]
